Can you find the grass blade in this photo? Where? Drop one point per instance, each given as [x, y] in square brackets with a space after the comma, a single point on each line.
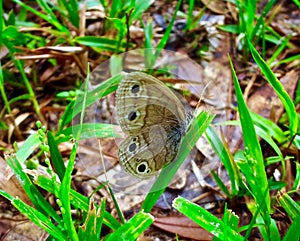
[253, 168]
[102, 90]
[49, 17]
[35, 216]
[291, 207]
[206, 220]
[56, 157]
[31, 191]
[279, 89]
[90, 130]
[226, 158]
[31, 143]
[294, 232]
[91, 228]
[131, 230]
[72, 8]
[77, 200]
[65, 194]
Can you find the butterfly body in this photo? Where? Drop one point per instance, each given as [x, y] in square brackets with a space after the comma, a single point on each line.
[154, 120]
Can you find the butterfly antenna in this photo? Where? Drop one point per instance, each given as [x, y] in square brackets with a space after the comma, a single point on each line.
[102, 160]
[191, 116]
[200, 99]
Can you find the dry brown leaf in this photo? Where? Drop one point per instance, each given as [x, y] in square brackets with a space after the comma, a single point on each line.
[10, 184]
[182, 226]
[264, 101]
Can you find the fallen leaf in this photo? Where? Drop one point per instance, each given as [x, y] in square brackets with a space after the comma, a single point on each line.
[182, 226]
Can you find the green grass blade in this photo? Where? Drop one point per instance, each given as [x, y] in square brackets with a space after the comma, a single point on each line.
[230, 28]
[281, 47]
[231, 221]
[274, 232]
[260, 22]
[49, 17]
[269, 127]
[100, 43]
[287, 60]
[31, 191]
[162, 43]
[116, 7]
[148, 31]
[221, 184]
[35, 103]
[91, 228]
[84, 97]
[254, 169]
[296, 184]
[65, 194]
[190, 14]
[90, 130]
[150, 53]
[226, 158]
[251, 225]
[56, 157]
[102, 90]
[197, 128]
[50, 14]
[297, 2]
[2, 90]
[266, 135]
[279, 89]
[132, 229]
[140, 6]
[38, 218]
[2, 24]
[31, 143]
[250, 12]
[67, 116]
[72, 7]
[291, 207]
[77, 200]
[19, 98]
[206, 220]
[275, 147]
[119, 211]
[116, 64]
[294, 231]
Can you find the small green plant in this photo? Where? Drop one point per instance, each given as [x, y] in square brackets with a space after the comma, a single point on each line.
[247, 172]
[253, 25]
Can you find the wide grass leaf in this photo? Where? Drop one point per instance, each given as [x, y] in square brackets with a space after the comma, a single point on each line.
[77, 200]
[132, 229]
[217, 227]
[64, 194]
[31, 143]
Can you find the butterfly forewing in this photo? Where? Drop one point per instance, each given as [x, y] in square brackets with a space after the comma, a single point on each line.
[143, 101]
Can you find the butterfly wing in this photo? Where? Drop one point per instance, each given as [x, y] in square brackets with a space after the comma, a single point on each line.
[154, 120]
[145, 153]
[143, 101]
